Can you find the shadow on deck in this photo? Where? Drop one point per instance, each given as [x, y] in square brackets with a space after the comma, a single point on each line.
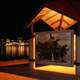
[24, 70]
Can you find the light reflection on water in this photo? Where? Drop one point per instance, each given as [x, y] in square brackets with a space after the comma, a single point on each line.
[15, 50]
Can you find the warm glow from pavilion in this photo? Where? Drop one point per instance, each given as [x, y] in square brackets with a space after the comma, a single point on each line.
[61, 69]
[74, 47]
[54, 19]
[58, 69]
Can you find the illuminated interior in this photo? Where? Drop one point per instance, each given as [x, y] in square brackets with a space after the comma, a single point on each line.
[54, 19]
[61, 69]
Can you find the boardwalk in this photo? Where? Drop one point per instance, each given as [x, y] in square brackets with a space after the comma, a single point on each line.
[21, 71]
[8, 76]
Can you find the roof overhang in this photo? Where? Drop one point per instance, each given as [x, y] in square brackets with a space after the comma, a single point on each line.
[54, 19]
[59, 14]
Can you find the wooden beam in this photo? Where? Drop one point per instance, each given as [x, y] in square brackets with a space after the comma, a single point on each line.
[51, 17]
[60, 28]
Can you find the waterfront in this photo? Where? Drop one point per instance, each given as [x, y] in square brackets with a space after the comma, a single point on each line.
[14, 49]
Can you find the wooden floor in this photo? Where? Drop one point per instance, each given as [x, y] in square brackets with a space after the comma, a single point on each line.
[20, 70]
[58, 69]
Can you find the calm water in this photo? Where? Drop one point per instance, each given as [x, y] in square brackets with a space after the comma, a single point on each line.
[14, 51]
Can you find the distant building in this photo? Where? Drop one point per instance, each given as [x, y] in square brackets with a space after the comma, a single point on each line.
[14, 48]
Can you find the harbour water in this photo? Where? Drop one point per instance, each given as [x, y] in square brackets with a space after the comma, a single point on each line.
[14, 50]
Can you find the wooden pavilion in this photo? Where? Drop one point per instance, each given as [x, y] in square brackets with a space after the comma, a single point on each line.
[59, 15]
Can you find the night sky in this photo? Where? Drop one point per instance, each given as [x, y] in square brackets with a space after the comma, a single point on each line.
[14, 15]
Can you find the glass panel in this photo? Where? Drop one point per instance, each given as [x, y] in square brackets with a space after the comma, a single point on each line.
[53, 47]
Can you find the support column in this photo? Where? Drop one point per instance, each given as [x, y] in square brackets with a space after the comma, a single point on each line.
[32, 49]
[75, 56]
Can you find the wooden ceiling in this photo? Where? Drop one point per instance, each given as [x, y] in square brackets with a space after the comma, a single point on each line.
[54, 19]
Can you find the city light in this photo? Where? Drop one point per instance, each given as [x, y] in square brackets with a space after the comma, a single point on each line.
[14, 48]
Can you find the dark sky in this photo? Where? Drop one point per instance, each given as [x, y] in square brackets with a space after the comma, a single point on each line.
[13, 16]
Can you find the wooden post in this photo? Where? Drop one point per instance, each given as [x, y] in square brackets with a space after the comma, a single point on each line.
[75, 57]
[32, 49]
